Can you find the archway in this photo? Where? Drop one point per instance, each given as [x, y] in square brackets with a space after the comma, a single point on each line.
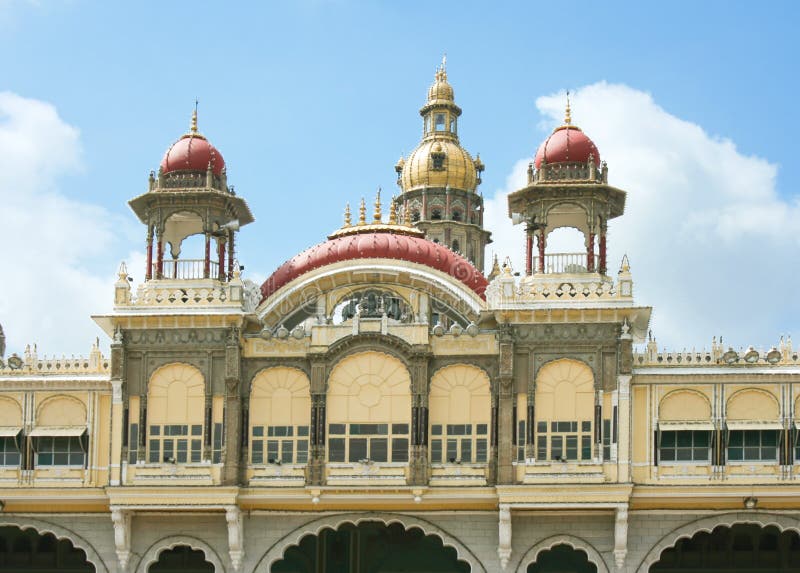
[370, 546]
[562, 558]
[28, 551]
[181, 559]
[741, 547]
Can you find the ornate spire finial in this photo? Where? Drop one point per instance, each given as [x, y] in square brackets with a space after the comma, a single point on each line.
[441, 72]
[193, 127]
[362, 212]
[407, 215]
[347, 221]
[392, 212]
[568, 113]
[376, 218]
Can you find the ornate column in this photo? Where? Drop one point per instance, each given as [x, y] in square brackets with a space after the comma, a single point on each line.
[122, 535]
[207, 257]
[504, 535]
[233, 408]
[602, 247]
[117, 408]
[528, 251]
[621, 536]
[315, 470]
[590, 253]
[542, 238]
[505, 408]
[160, 253]
[418, 454]
[624, 408]
[148, 273]
[231, 253]
[221, 257]
[235, 522]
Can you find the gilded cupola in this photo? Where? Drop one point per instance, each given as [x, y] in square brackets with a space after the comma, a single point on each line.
[439, 160]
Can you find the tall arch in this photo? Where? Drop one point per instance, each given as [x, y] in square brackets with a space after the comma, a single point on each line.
[61, 410]
[151, 554]
[530, 556]
[42, 527]
[315, 527]
[708, 524]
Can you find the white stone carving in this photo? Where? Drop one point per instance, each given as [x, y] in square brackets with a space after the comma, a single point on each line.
[504, 535]
[233, 516]
[621, 536]
[122, 536]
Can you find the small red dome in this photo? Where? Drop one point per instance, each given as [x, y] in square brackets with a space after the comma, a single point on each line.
[192, 152]
[378, 246]
[567, 144]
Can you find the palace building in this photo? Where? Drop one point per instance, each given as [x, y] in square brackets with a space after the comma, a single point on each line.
[378, 404]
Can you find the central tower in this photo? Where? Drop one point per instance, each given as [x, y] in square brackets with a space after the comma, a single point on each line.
[439, 179]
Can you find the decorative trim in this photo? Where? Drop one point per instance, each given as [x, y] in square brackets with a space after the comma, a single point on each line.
[576, 543]
[42, 527]
[707, 524]
[151, 554]
[315, 527]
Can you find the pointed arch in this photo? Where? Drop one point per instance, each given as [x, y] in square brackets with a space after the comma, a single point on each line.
[152, 553]
[530, 556]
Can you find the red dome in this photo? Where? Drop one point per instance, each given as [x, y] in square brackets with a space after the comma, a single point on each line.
[192, 153]
[377, 246]
[567, 144]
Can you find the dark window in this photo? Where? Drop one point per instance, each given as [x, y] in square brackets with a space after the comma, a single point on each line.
[753, 445]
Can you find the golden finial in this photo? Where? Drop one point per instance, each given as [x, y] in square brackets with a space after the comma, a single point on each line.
[347, 222]
[407, 215]
[193, 127]
[376, 218]
[567, 113]
[362, 213]
[441, 71]
[392, 213]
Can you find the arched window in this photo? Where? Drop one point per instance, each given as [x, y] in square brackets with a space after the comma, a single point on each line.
[456, 215]
[11, 420]
[415, 216]
[436, 214]
[59, 437]
[369, 409]
[564, 411]
[460, 415]
[280, 416]
[175, 406]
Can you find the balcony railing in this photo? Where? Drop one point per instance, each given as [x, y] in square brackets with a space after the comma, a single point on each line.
[187, 269]
[568, 263]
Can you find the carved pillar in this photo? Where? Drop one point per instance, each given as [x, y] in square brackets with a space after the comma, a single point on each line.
[418, 454]
[624, 408]
[590, 253]
[621, 536]
[530, 426]
[122, 535]
[542, 238]
[602, 255]
[528, 252]
[503, 453]
[160, 253]
[447, 214]
[233, 409]
[221, 257]
[207, 257]
[424, 215]
[598, 421]
[235, 521]
[315, 470]
[148, 273]
[231, 253]
[117, 408]
[504, 535]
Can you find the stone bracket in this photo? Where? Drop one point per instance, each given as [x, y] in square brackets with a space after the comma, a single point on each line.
[504, 534]
[233, 516]
[121, 519]
[621, 536]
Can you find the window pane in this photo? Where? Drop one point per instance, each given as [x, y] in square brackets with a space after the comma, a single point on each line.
[302, 430]
[586, 426]
[258, 431]
[378, 449]
[336, 449]
[436, 451]
[155, 453]
[701, 454]
[466, 450]
[197, 430]
[541, 448]
[667, 454]
[736, 438]
[683, 454]
[272, 451]
[556, 448]
[683, 439]
[436, 430]
[197, 450]
[358, 449]
[769, 438]
[701, 438]
[400, 449]
[452, 450]
[257, 452]
[481, 450]
[482, 429]
[668, 439]
[735, 454]
[399, 428]
[586, 448]
[541, 427]
[572, 448]
[336, 429]
[287, 451]
[302, 451]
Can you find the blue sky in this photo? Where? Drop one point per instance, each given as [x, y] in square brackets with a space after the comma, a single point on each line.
[312, 103]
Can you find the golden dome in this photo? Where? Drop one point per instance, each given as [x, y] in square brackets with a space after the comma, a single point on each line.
[440, 89]
[456, 168]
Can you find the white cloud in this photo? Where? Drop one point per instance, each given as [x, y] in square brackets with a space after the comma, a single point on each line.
[47, 293]
[711, 242]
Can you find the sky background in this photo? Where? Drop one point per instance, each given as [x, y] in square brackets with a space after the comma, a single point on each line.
[312, 103]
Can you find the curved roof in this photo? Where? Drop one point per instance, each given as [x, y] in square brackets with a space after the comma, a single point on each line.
[377, 245]
[567, 144]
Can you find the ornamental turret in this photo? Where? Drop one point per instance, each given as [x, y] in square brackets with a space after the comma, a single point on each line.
[190, 196]
[439, 179]
[567, 187]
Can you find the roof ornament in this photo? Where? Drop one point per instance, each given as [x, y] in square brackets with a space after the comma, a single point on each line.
[347, 220]
[362, 212]
[193, 127]
[441, 71]
[568, 113]
[392, 212]
[407, 216]
[376, 218]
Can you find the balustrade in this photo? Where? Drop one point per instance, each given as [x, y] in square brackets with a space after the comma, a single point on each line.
[570, 263]
[187, 269]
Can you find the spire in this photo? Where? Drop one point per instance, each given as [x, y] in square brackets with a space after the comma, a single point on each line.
[376, 218]
[362, 212]
[568, 112]
[441, 72]
[193, 126]
[407, 216]
[347, 220]
[392, 212]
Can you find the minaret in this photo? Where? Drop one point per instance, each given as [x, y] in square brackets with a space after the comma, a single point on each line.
[439, 179]
[567, 187]
[190, 196]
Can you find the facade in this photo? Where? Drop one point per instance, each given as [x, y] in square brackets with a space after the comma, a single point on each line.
[378, 404]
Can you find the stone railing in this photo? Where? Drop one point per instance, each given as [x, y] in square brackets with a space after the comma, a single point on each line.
[187, 269]
[179, 180]
[555, 172]
[568, 263]
[31, 363]
[717, 355]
